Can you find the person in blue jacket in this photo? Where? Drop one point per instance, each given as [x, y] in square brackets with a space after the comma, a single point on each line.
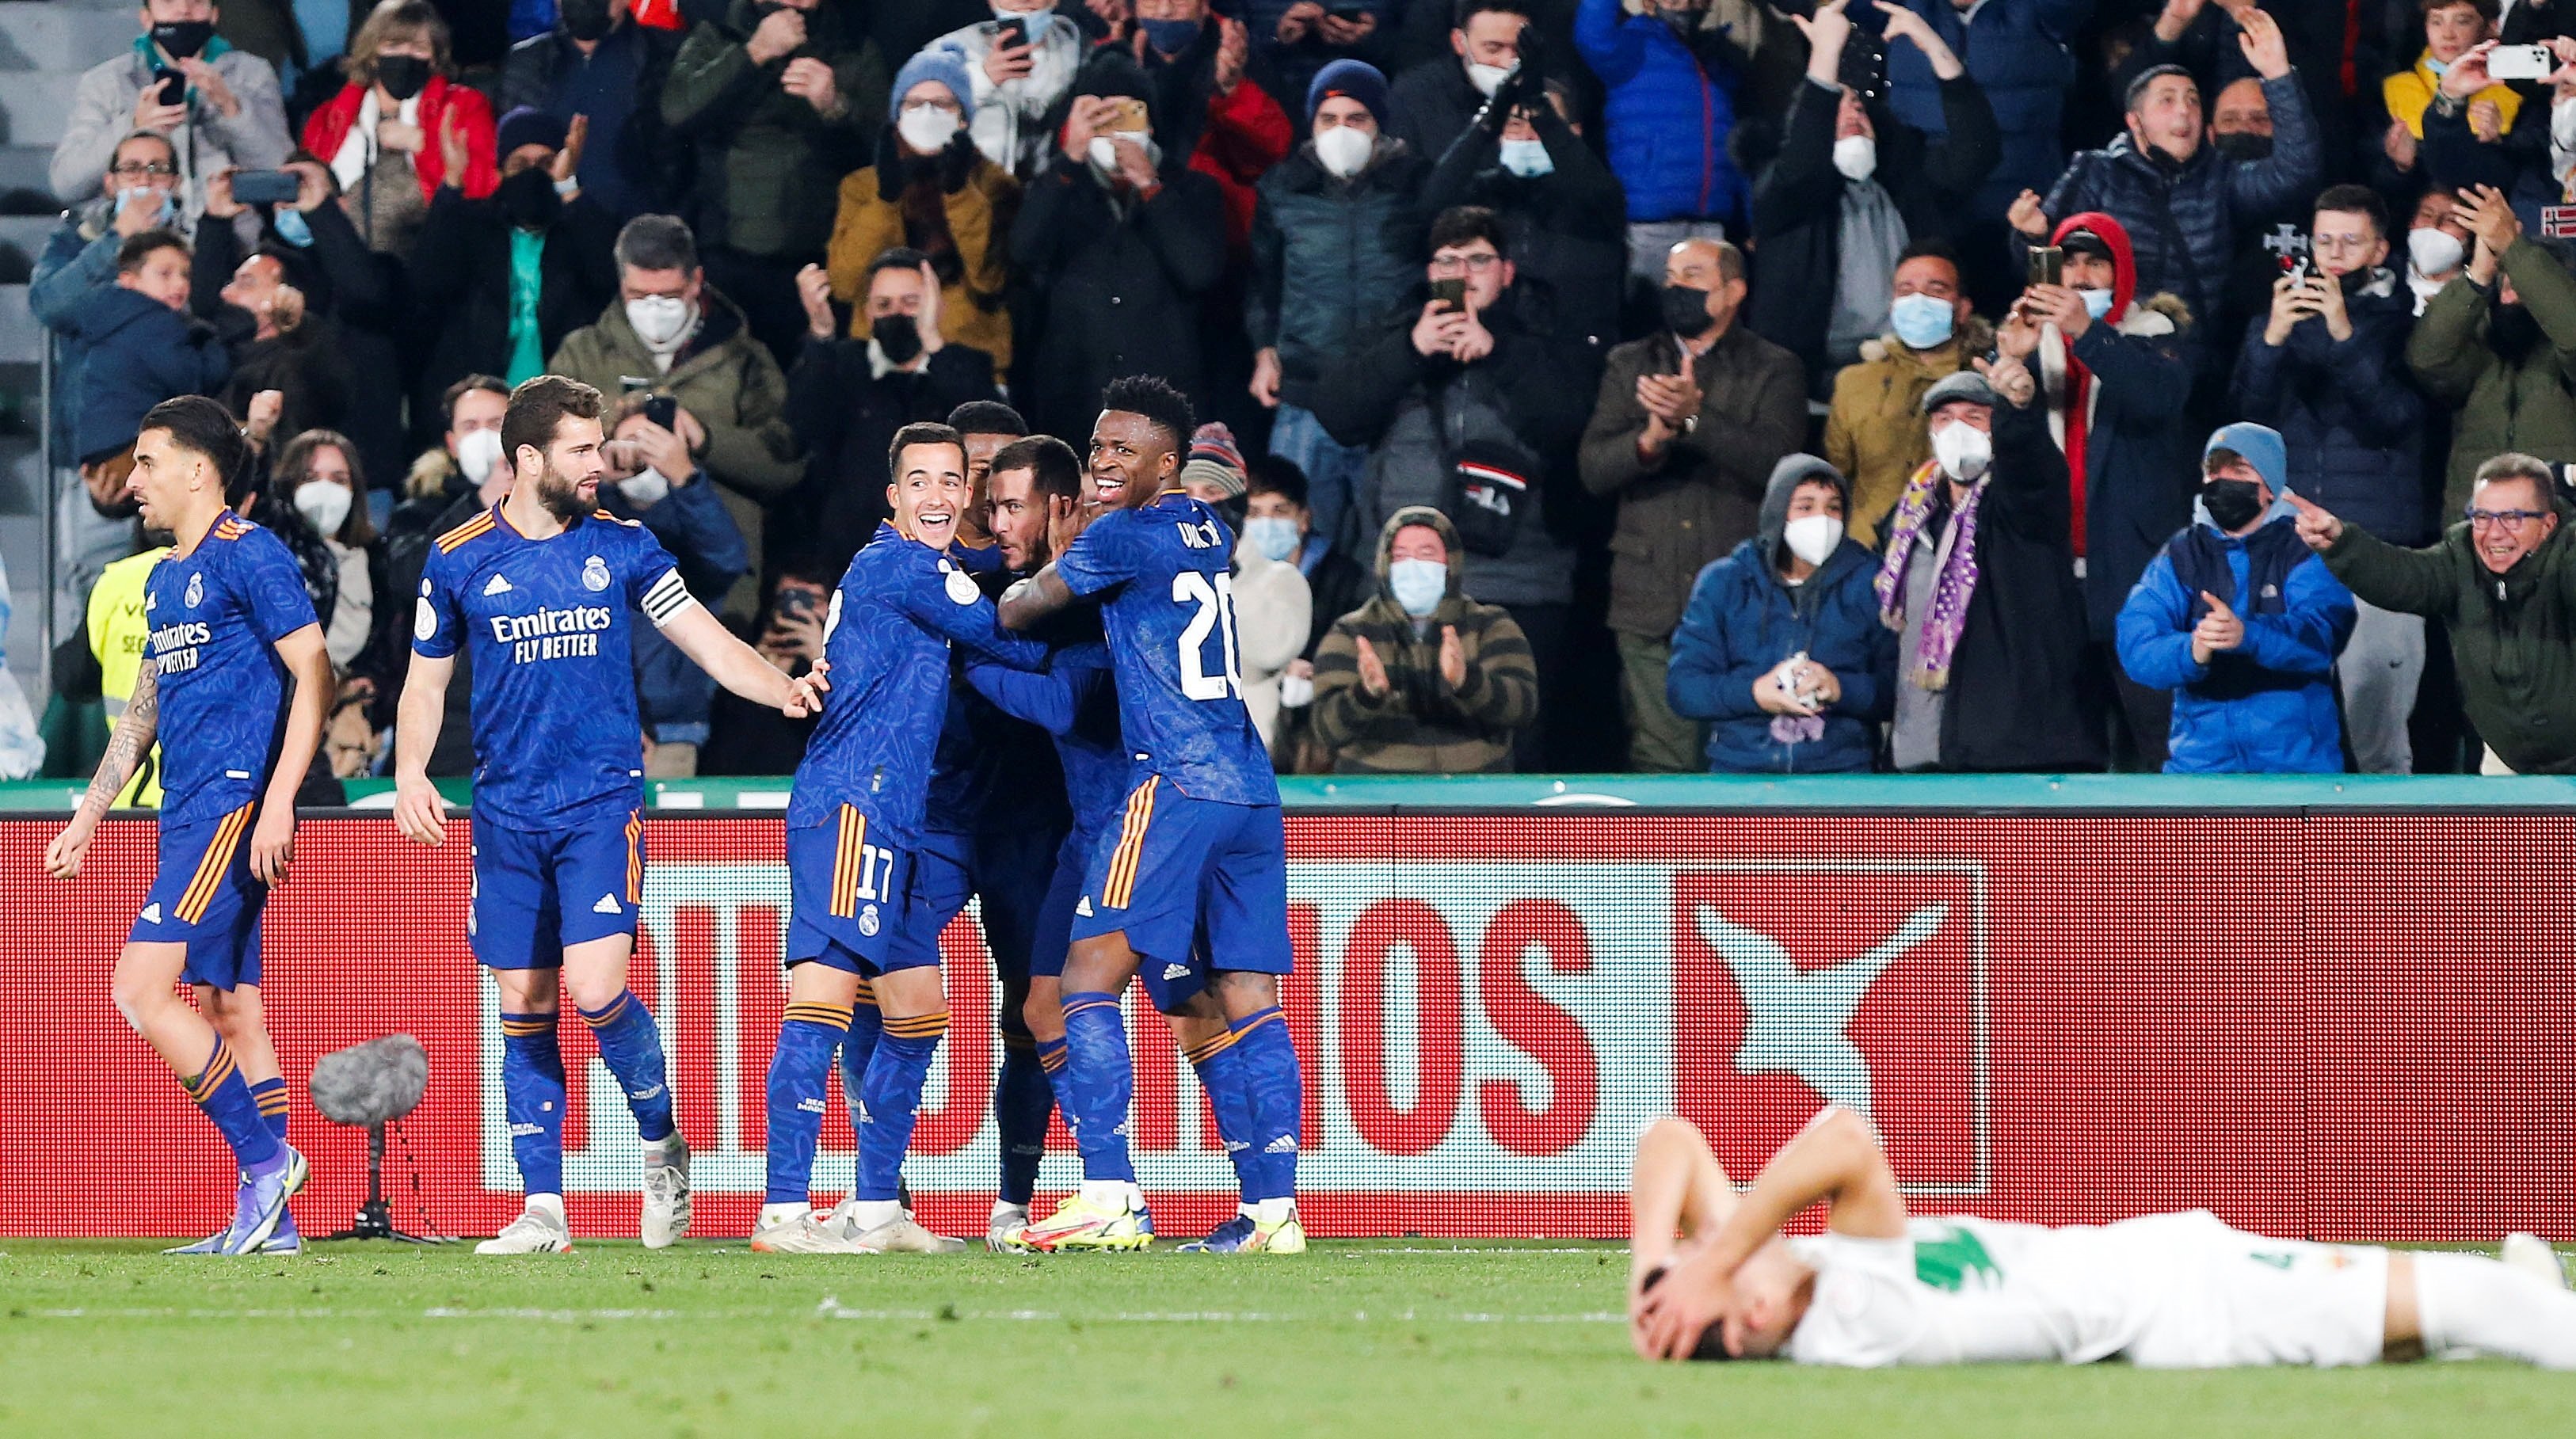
[1670, 107]
[2242, 622]
[1781, 647]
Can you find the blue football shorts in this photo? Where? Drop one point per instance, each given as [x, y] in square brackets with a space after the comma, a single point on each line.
[1198, 887]
[847, 885]
[539, 891]
[203, 896]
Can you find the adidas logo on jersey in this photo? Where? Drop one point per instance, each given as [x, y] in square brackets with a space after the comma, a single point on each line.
[607, 905]
[1176, 971]
[152, 913]
[1084, 908]
[1284, 1144]
[497, 585]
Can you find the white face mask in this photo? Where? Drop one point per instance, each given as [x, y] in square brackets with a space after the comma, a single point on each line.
[2435, 251]
[1104, 148]
[1344, 150]
[1296, 692]
[477, 453]
[1419, 585]
[927, 128]
[1856, 157]
[1813, 538]
[325, 503]
[645, 489]
[659, 320]
[1963, 450]
[1488, 78]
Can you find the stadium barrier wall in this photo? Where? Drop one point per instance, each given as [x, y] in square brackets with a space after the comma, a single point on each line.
[2310, 1009]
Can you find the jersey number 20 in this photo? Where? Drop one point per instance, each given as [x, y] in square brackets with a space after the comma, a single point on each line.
[1216, 611]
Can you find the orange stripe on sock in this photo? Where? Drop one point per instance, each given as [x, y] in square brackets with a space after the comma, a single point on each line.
[867, 994]
[1210, 1049]
[1256, 1024]
[605, 1016]
[219, 1067]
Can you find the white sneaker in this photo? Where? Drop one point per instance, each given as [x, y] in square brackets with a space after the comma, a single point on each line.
[807, 1233]
[535, 1231]
[903, 1236]
[2532, 1254]
[1001, 1232]
[666, 1193]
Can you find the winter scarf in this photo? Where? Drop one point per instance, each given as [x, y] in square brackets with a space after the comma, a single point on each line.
[1957, 584]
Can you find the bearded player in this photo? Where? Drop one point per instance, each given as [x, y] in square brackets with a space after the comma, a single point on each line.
[1191, 887]
[231, 627]
[543, 587]
[2167, 1291]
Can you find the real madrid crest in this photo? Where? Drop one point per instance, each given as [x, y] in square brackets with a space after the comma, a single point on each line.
[196, 589]
[961, 588]
[594, 573]
[868, 920]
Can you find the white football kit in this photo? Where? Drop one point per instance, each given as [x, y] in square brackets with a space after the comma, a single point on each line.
[2165, 1291]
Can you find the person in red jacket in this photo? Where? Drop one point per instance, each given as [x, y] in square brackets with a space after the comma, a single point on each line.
[1208, 103]
[387, 134]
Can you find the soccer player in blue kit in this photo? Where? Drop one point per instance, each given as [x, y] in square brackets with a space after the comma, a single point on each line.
[1193, 884]
[231, 626]
[540, 587]
[854, 836]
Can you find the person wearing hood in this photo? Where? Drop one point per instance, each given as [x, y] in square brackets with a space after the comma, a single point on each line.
[1978, 585]
[2327, 368]
[671, 332]
[1874, 425]
[227, 115]
[2115, 373]
[1422, 679]
[1120, 237]
[2500, 349]
[1015, 79]
[1780, 648]
[2242, 623]
[401, 119]
[1332, 247]
[1273, 609]
[932, 191]
[1851, 188]
[598, 62]
[2502, 582]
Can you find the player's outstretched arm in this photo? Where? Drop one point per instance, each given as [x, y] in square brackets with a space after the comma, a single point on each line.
[272, 842]
[739, 667]
[135, 731]
[1035, 598]
[420, 811]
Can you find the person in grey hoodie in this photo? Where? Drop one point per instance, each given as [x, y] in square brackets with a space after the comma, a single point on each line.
[1780, 647]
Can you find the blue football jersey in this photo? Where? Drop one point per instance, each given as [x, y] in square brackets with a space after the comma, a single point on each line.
[216, 615]
[1169, 610]
[557, 739]
[899, 607]
[1076, 702]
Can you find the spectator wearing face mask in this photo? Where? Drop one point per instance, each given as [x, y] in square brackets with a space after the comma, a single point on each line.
[1436, 100]
[749, 739]
[226, 115]
[392, 131]
[317, 473]
[1332, 247]
[1212, 100]
[597, 62]
[847, 398]
[1422, 679]
[1780, 649]
[2242, 623]
[141, 193]
[1019, 67]
[1850, 189]
[466, 473]
[931, 191]
[1671, 111]
[1273, 612]
[2498, 347]
[653, 480]
[1874, 426]
[2437, 245]
[2450, 77]
[1279, 525]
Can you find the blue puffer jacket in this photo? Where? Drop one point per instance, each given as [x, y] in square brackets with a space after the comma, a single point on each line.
[134, 352]
[1669, 118]
[2260, 719]
[1742, 622]
[2350, 412]
[2016, 51]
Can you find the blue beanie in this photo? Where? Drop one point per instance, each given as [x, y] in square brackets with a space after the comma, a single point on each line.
[1352, 79]
[938, 63]
[2262, 448]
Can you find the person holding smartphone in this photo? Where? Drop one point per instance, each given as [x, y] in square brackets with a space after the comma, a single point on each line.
[219, 107]
[1020, 65]
[654, 479]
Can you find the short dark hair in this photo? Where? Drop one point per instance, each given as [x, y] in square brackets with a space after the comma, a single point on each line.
[1156, 400]
[142, 245]
[2356, 200]
[922, 432]
[899, 257]
[656, 242]
[2130, 98]
[490, 384]
[1469, 9]
[539, 407]
[986, 417]
[204, 427]
[1275, 475]
[155, 136]
[2487, 9]
[1465, 224]
[1930, 250]
[2220, 459]
[1053, 467]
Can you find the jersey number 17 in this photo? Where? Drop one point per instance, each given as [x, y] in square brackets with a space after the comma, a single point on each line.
[1214, 596]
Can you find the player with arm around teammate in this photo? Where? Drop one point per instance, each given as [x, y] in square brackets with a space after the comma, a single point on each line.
[853, 830]
[235, 683]
[2167, 1291]
[541, 586]
[1191, 888]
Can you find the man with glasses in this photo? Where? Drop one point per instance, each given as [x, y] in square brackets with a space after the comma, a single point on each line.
[2504, 583]
[217, 106]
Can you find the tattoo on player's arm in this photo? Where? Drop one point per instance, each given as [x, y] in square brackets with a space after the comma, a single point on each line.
[1035, 598]
[135, 730]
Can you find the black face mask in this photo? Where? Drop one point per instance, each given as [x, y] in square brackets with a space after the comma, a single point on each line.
[584, 20]
[2243, 145]
[897, 335]
[182, 39]
[2232, 504]
[1686, 310]
[403, 76]
[528, 199]
[2512, 333]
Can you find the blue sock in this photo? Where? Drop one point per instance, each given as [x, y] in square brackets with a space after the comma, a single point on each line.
[220, 1092]
[799, 1071]
[890, 1097]
[1023, 1101]
[867, 1026]
[271, 1094]
[1221, 1074]
[532, 1095]
[632, 1046]
[1269, 1061]
[1098, 1080]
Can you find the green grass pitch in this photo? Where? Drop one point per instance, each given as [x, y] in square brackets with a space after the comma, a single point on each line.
[1418, 1338]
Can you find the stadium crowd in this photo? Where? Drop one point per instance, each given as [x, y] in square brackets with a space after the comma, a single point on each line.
[1661, 385]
